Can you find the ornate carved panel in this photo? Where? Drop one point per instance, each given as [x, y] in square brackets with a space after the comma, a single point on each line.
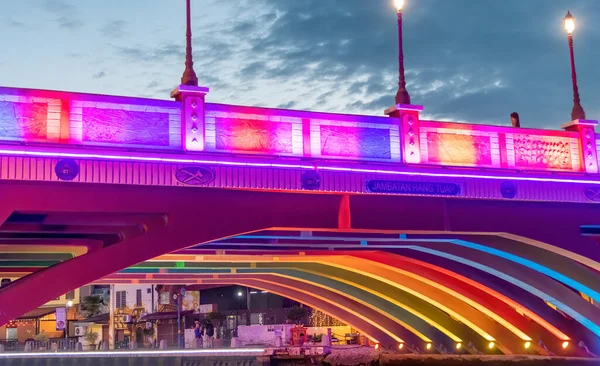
[23, 120]
[118, 126]
[343, 141]
[543, 152]
[253, 135]
[459, 149]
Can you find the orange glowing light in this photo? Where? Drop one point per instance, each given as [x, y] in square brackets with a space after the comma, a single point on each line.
[570, 23]
[399, 5]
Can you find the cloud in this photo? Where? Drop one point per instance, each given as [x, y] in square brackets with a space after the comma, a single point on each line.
[99, 75]
[114, 29]
[15, 24]
[68, 16]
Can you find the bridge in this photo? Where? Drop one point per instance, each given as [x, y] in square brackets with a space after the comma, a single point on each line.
[424, 235]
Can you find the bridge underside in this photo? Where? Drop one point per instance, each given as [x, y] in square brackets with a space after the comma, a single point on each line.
[402, 270]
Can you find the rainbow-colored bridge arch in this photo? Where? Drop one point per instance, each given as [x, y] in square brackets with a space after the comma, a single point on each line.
[444, 292]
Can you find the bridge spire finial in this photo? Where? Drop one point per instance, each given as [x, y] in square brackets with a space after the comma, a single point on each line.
[189, 75]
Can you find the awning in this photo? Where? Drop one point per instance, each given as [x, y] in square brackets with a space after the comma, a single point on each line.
[164, 315]
[37, 313]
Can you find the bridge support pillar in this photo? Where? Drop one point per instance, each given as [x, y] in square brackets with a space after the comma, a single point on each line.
[409, 131]
[193, 132]
[587, 143]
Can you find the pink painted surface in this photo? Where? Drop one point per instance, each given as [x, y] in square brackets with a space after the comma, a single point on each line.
[125, 127]
[341, 141]
[542, 152]
[454, 149]
[253, 136]
[23, 120]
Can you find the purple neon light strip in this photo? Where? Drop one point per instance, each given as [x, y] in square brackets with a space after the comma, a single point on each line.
[290, 166]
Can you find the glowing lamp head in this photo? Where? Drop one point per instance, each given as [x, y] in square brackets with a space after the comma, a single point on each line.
[377, 346]
[565, 344]
[491, 345]
[399, 5]
[527, 345]
[570, 23]
[458, 345]
[428, 346]
[69, 303]
[401, 346]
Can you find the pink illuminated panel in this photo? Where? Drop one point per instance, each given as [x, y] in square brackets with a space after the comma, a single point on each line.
[543, 152]
[252, 130]
[123, 124]
[455, 149]
[253, 136]
[353, 142]
[29, 118]
[361, 140]
[598, 148]
[459, 145]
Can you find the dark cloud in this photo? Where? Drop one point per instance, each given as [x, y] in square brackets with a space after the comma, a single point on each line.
[99, 75]
[68, 16]
[288, 105]
[15, 24]
[114, 29]
[468, 60]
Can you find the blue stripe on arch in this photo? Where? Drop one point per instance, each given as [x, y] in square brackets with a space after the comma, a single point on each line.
[533, 265]
[566, 309]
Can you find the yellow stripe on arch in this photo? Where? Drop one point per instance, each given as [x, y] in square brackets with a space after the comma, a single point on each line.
[515, 330]
[360, 301]
[240, 282]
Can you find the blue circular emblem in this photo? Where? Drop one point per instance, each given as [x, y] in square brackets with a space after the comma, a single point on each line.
[508, 190]
[195, 175]
[310, 180]
[66, 169]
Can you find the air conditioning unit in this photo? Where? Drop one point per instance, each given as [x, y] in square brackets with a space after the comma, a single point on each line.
[127, 318]
[80, 331]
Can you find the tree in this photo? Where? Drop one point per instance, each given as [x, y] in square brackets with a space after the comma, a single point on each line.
[297, 315]
[91, 337]
[42, 337]
[92, 306]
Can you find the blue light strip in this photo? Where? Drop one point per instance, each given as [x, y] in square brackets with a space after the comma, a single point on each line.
[542, 295]
[533, 265]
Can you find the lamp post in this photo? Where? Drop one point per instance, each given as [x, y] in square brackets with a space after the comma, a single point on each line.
[402, 96]
[67, 306]
[189, 75]
[578, 112]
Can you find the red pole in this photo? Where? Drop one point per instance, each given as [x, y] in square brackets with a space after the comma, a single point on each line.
[402, 97]
[578, 112]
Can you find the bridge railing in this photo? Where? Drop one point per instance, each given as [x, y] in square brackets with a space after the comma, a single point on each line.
[47, 117]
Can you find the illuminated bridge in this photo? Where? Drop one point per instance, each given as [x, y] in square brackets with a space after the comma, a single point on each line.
[430, 236]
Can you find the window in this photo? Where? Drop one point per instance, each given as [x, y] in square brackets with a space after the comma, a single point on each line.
[138, 298]
[121, 299]
[70, 295]
[148, 290]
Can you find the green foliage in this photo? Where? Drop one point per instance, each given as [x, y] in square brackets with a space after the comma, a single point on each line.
[91, 337]
[42, 337]
[317, 338]
[297, 314]
[92, 306]
[216, 317]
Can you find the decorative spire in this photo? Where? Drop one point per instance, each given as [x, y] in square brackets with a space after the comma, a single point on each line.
[189, 75]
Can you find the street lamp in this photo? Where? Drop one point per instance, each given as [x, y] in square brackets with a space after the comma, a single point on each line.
[402, 96]
[189, 75]
[67, 306]
[578, 112]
